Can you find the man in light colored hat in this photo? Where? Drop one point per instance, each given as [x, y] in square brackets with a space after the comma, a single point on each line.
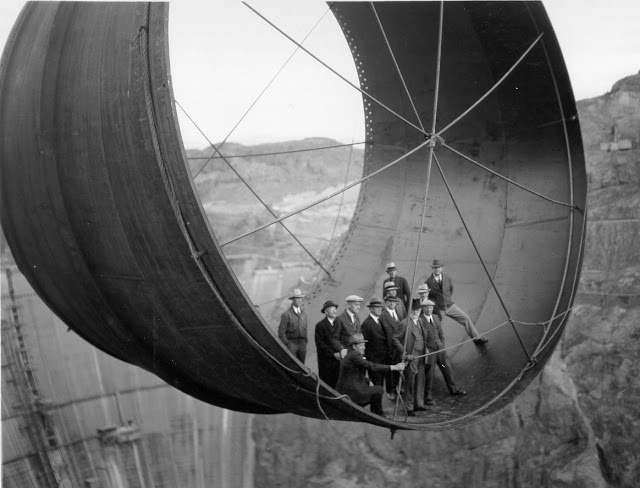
[348, 322]
[327, 345]
[292, 330]
[392, 290]
[441, 291]
[423, 294]
[404, 292]
[352, 379]
[410, 340]
[380, 339]
[435, 344]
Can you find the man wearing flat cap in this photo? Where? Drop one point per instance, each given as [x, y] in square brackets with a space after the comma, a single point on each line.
[404, 292]
[348, 322]
[437, 356]
[441, 291]
[423, 294]
[292, 330]
[380, 339]
[327, 345]
[352, 381]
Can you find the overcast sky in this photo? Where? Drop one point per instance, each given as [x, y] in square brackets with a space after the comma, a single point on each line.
[223, 55]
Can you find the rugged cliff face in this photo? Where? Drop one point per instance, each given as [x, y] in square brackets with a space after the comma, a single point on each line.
[577, 425]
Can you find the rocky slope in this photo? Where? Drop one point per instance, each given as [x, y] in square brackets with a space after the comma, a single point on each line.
[577, 425]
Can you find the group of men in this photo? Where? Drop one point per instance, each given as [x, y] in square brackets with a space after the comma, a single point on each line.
[401, 333]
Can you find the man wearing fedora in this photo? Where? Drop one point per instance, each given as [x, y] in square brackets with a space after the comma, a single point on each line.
[352, 381]
[380, 339]
[348, 322]
[410, 340]
[404, 292]
[390, 320]
[441, 291]
[434, 339]
[292, 330]
[327, 345]
[392, 290]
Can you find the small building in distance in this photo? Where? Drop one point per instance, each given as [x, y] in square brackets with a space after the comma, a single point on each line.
[618, 142]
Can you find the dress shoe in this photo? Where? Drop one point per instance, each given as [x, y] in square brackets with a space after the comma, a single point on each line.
[429, 402]
[392, 396]
[418, 409]
[479, 341]
[458, 392]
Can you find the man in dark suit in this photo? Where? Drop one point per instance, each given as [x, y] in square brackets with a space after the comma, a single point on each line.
[392, 290]
[435, 344]
[404, 292]
[410, 340]
[380, 340]
[441, 291]
[348, 322]
[352, 379]
[292, 330]
[327, 345]
[390, 320]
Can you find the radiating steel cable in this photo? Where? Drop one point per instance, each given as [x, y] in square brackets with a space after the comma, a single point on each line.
[276, 153]
[395, 62]
[259, 96]
[369, 96]
[426, 189]
[508, 180]
[324, 199]
[493, 285]
[255, 194]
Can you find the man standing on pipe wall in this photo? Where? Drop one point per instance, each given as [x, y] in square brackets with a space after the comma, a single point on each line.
[441, 291]
[292, 330]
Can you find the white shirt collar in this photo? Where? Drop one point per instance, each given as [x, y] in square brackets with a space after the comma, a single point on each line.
[376, 319]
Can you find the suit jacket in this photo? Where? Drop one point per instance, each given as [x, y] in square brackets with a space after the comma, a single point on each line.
[345, 328]
[398, 338]
[352, 381]
[404, 292]
[380, 337]
[292, 326]
[434, 335]
[441, 293]
[326, 344]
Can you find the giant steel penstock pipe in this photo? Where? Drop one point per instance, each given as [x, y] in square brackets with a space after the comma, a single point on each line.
[102, 216]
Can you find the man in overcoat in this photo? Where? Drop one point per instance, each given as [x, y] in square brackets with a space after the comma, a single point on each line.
[410, 340]
[327, 345]
[292, 330]
[435, 345]
[404, 292]
[348, 322]
[441, 293]
[390, 320]
[352, 380]
[380, 346]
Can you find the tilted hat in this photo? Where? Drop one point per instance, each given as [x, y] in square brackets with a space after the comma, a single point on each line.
[357, 339]
[375, 302]
[423, 288]
[391, 265]
[297, 293]
[415, 304]
[390, 285]
[354, 298]
[390, 298]
[436, 263]
[328, 304]
[427, 302]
